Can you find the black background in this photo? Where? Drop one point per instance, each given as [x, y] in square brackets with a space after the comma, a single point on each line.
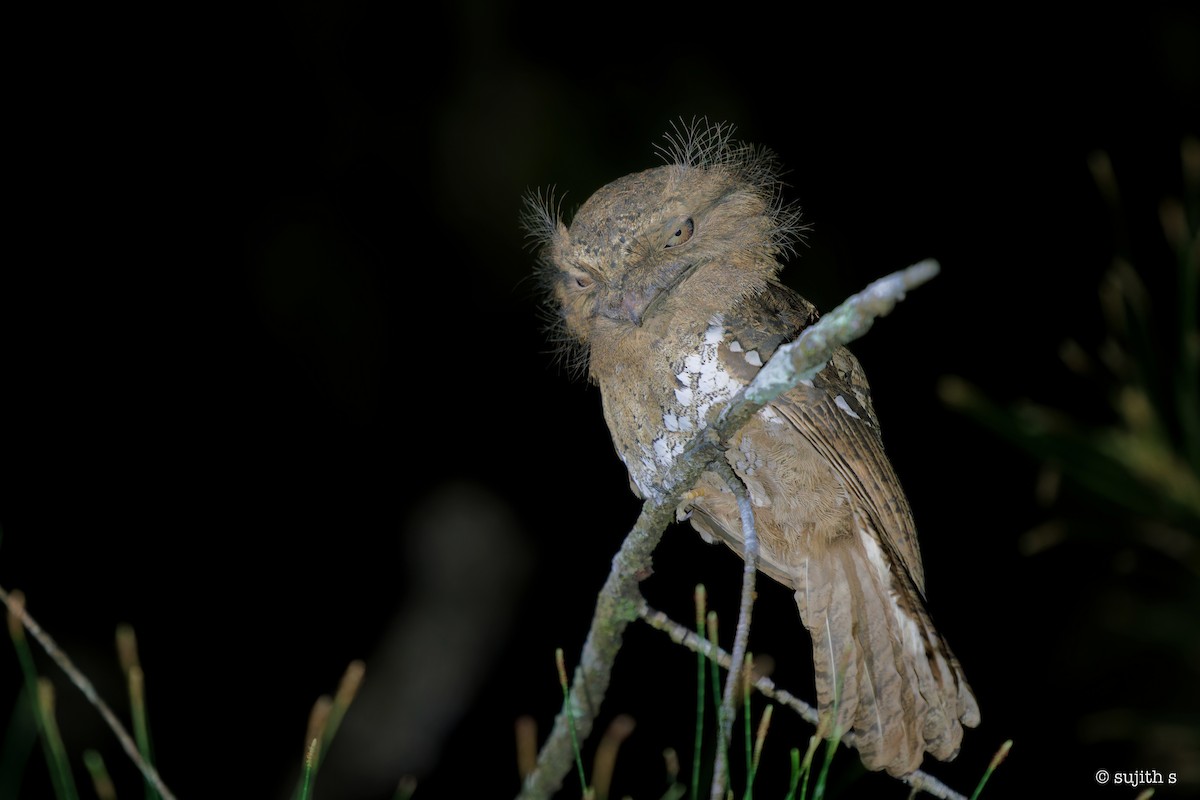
[276, 385]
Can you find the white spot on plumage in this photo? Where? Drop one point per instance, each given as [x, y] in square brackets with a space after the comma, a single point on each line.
[667, 449]
[753, 358]
[703, 385]
[716, 330]
[735, 346]
[841, 403]
[713, 379]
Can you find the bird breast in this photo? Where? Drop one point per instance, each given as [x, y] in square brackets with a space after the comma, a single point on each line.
[654, 409]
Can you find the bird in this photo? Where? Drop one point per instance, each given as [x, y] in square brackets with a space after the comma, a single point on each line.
[665, 290]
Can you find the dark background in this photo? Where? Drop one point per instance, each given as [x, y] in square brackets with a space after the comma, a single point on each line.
[277, 392]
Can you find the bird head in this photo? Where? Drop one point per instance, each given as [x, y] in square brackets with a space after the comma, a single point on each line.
[668, 247]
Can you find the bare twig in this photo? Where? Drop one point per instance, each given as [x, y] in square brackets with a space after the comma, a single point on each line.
[741, 637]
[688, 638]
[89, 691]
[619, 599]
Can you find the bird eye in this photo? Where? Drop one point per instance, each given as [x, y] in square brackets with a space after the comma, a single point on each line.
[681, 234]
[582, 280]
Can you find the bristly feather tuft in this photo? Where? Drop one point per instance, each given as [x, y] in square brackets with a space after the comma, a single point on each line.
[541, 218]
[700, 144]
[693, 145]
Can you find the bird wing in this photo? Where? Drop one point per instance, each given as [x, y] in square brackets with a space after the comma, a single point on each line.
[834, 414]
[836, 417]
[876, 654]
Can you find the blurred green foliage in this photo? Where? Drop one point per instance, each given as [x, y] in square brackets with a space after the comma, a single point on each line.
[1126, 488]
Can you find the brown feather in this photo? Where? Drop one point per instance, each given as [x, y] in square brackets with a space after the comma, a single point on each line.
[666, 279]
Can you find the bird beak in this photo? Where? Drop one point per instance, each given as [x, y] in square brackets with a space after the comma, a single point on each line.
[629, 304]
[636, 300]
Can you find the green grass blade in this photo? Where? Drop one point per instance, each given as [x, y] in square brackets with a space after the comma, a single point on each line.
[796, 775]
[53, 741]
[135, 683]
[760, 739]
[141, 725]
[566, 690]
[41, 703]
[831, 744]
[1001, 754]
[822, 776]
[346, 692]
[19, 741]
[101, 781]
[715, 675]
[310, 760]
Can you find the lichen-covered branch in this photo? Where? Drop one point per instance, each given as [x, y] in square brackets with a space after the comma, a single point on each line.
[616, 607]
[805, 357]
[619, 600]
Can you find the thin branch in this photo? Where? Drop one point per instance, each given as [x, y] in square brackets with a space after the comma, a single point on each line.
[89, 691]
[741, 637]
[679, 634]
[619, 599]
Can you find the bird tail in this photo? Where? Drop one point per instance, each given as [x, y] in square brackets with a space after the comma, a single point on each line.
[880, 665]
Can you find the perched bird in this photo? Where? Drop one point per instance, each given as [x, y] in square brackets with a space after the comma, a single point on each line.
[666, 286]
